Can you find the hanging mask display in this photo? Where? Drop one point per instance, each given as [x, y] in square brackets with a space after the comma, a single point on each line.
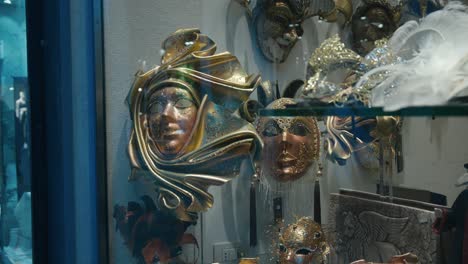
[185, 130]
[347, 135]
[374, 20]
[277, 24]
[428, 65]
[303, 242]
[291, 144]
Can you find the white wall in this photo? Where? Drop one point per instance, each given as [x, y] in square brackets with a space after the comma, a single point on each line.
[434, 149]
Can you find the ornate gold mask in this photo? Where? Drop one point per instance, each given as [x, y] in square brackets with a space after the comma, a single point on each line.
[185, 129]
[291, 144]
[303, 242]
[332, 55]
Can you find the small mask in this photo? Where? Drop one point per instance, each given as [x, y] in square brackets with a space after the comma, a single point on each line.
[291, 144]
[303, 242]
[278, 24]
[374, 20]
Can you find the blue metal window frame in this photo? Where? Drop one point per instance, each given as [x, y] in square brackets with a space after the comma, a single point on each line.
[65, 68]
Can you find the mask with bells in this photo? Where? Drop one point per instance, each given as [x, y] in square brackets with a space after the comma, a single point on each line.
[303, 242]
[291, 144]
[278, 24]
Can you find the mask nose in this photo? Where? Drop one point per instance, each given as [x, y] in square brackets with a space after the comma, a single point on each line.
[168, 110]
[290, 257]
[284, 141]
[284, 136]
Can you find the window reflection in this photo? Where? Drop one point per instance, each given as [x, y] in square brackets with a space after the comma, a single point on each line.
[15, 167]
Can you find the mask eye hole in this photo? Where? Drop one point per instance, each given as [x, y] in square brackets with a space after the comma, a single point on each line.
[304, 251]
[157, 107]
[282, 248]
[271, 129]
[299, 31]
[324, 248]
[299, 129]
[184, 103]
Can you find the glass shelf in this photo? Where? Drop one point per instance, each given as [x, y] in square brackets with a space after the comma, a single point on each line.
[430, 111]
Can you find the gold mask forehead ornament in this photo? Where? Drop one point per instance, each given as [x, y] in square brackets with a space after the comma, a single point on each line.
[291, 144]
[332, 55]
[186, 132]
[303, 242]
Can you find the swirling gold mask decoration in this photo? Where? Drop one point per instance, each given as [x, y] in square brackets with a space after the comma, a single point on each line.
[185, 129]
[359, 136]
[345, 134]
[291, 144]
[303, 242]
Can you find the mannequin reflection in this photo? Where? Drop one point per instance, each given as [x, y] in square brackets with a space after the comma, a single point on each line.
[21, 111]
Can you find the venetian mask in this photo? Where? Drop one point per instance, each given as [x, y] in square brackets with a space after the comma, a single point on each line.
[374, 20]
[171, 115]
[187, 132]
[278, 24]
[291, 144]
[345, 134]
[303, 242]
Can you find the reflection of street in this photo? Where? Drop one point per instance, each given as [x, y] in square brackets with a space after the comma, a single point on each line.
[19, 250]
[15, 198]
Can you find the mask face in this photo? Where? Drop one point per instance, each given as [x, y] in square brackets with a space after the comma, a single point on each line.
[291, 144]
[171, 114]
[303, 242]
[373, 24]
[278, 29]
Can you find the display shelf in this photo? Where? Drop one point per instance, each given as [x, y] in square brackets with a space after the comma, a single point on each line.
[430, 111]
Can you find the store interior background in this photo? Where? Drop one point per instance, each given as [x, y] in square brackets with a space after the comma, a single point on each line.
[434, 150]
[15, 235]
